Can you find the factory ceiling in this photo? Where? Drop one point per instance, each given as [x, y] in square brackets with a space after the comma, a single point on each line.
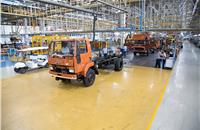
[156, 14]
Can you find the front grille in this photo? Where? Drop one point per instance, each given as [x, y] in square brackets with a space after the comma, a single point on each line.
[61, 70]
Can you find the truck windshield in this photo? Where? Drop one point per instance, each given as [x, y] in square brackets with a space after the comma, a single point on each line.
[64, 48]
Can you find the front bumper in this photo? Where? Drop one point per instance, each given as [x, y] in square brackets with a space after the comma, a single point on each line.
[61, 75]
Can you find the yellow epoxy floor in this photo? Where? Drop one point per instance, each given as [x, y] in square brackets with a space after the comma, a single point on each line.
[122, 100]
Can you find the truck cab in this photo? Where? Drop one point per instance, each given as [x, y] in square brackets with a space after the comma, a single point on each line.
[140, 43]
[72, 59]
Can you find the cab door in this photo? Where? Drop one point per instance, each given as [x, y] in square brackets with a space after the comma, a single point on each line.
[82, 55]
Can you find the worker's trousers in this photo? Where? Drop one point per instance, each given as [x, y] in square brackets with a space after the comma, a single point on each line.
[158, 63]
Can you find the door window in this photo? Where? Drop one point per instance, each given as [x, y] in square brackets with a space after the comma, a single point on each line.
[82, 48]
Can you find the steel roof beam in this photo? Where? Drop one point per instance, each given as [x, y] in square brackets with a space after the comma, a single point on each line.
[67, 6]
[195, 6]
[105, 3]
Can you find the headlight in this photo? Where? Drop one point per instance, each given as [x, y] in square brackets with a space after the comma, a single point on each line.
[51, 68]
[71, 71]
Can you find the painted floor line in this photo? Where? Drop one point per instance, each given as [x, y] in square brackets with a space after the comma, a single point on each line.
[157, 106]
[161, 98]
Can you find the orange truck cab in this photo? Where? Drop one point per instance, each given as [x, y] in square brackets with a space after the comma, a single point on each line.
[140, 43]
[72, 59]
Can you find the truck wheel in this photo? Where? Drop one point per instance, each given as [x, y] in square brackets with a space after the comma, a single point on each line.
[134, 53]
[90, 78]
[118, 64]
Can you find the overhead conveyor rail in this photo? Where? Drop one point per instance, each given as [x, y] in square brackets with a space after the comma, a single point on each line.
[112, 31]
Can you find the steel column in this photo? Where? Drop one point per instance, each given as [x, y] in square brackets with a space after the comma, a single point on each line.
[26, 31]
[94, 25]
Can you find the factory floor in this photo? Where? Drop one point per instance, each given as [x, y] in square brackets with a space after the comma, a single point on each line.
[141, 60]
[126, 100]
[117, 101]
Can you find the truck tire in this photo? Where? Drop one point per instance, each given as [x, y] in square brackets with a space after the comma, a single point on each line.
[90, 78]
[118, 64]
[134, 53]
